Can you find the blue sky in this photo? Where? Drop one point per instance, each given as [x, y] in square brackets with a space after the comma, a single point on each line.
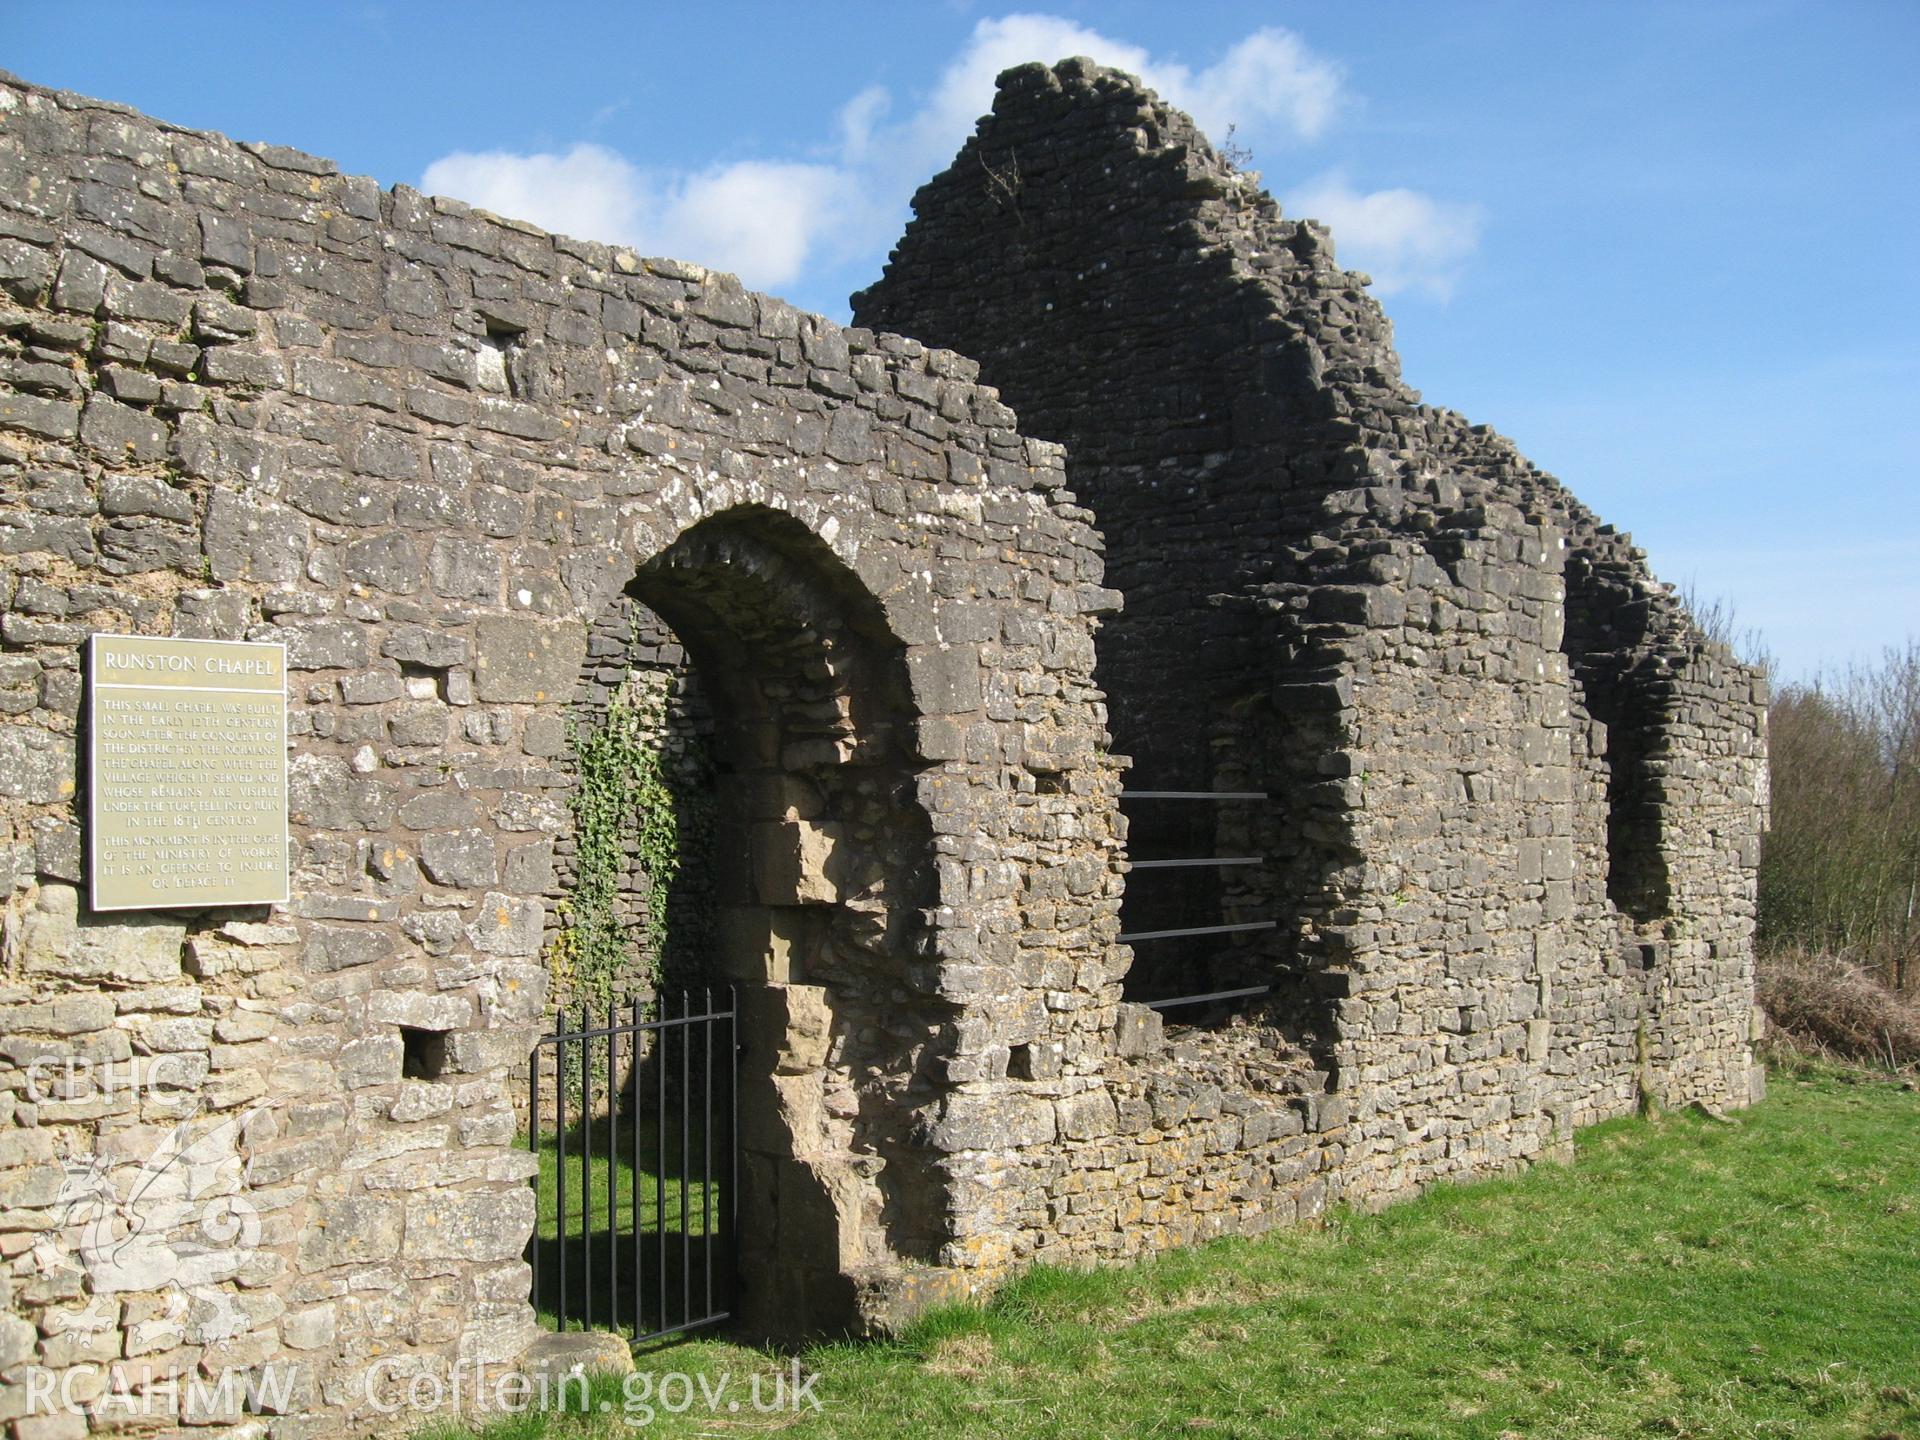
[1668, 248]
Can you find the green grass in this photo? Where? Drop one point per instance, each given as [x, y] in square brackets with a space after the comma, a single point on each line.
[659, 1202]
[605, 1186]
[1682, 1278]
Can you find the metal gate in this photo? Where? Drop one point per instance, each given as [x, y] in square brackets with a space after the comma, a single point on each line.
[633, 1122]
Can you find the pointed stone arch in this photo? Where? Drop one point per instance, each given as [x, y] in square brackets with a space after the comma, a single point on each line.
[824, 870]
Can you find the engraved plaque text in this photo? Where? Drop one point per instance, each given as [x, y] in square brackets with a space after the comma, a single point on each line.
[188, 792]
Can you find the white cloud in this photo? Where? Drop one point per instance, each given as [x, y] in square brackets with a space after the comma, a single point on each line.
[1407, 241]
[770, 220]
[1270, 79]
[858, 117]
[590, 191]
[759, 219]
[925, 142]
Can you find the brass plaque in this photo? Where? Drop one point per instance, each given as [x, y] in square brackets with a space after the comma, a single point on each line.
[188, 772]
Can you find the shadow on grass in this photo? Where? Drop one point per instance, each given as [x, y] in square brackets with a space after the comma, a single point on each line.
[623, 1246]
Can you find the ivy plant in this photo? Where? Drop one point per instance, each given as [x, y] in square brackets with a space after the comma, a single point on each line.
[621, 792]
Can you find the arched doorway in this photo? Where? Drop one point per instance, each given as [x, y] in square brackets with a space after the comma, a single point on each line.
[819, 867]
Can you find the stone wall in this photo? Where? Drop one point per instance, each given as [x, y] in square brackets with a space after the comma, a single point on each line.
[242, 395]
[1516, 796]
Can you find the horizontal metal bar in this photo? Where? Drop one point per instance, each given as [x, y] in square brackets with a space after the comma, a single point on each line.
[1202, 999]
[702, 1322]
[634, 1027]
[1183, 864]
[1193, 795]
[1199, 930]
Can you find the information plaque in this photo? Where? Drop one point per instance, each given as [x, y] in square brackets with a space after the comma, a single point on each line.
[188, 772]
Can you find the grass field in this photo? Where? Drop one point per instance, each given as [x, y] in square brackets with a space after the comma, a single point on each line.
[1683, 1277]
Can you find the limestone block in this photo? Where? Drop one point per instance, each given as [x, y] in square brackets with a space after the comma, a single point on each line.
[465, 858]
[434, 931]
[432, 648]
[799, 1024]
[477, 1051]
[1090, 1115]
[1051, 748]
[576, 1352]
[77, 1014]
[249, 538]
[241, 1026]
[371, 1060]
[353, 1231]
[1136, 1031]
[498, 1339]
[285, 1388]
[1035, 1060]
[1539, 1037]
[545, 735]
[61, 1425]
[36, 766]
[326, 794]
[18, 1338]
[419, 1009]
[337, 947]
[940, 737]
[384, 562]
[1556, 858]
[421, 1100]
[468, 1224]
[444, 806]
[521, 659]
[464, 570]
[529, 869]
[945, 679]
[849, 438]
[763, 943]
[425, 1142]
[325, 644]
[136, 949]
[991, 1121]
[794, 862]
[494, 1127]
[507, 924]
[419, 722]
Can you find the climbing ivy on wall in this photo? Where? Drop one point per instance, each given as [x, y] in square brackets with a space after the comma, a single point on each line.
[622, 792]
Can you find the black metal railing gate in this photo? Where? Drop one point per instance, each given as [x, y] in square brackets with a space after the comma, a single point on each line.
[633, 1122]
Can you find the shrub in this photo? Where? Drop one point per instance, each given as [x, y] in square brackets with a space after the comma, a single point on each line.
[1824, 1004]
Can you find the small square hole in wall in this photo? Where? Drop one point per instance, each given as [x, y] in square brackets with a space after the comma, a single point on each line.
[423, 1053]
[422, 682]
[493, 360]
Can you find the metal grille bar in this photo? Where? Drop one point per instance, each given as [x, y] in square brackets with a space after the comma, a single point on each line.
[1202, 999]
[1202, 862]
[1128, 939]
[1193, 795]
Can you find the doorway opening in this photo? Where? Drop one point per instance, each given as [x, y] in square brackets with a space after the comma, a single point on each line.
[799, 896]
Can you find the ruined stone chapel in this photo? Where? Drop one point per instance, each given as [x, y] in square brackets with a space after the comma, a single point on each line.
[1159, 778]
